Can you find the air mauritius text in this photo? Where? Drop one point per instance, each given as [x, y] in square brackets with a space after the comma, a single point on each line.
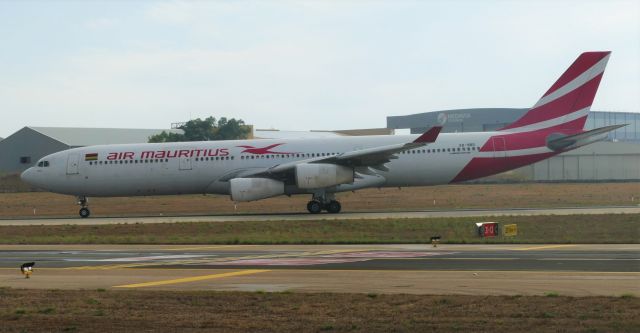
[129, 155]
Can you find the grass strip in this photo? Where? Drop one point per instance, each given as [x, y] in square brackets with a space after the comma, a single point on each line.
[566, 229]
[206, 311]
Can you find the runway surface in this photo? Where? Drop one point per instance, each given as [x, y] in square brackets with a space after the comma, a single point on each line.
[341, 216]
[421, 269]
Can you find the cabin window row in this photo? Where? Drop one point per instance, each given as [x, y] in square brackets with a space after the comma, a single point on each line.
[298, 155]
[158, 160]
[303, 155]
[217, 158]
[440, 150]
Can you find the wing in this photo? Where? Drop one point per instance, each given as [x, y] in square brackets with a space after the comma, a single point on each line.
[374, 158]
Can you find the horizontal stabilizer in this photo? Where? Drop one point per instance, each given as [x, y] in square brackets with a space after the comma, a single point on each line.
[578, 140]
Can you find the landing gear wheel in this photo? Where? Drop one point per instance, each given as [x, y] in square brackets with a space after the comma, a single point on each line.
[84, 212]
[314, 207]
[333, 207]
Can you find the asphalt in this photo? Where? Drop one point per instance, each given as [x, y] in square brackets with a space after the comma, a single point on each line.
[466, 269]
[377, 257]
[341, 216]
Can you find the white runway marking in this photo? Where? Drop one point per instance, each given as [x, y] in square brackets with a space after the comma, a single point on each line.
[148, 258]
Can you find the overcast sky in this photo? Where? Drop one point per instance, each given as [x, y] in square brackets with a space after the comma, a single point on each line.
[298, 65]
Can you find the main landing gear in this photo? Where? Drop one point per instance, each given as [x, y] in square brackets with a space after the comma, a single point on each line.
[324, 202]
[84, 203]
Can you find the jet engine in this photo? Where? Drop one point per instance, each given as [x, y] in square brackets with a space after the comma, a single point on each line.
[250, 189]
[318, 175]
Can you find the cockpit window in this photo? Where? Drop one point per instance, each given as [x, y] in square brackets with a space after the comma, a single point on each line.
[46, 164]
[43, 164]
[40, 164]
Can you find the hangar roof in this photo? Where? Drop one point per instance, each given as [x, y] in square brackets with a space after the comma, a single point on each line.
[278, 134]
[76, 136]
[314, 134]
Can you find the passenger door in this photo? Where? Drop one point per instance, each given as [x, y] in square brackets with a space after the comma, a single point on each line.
[185, 163]
[72, 164]
[499, 147]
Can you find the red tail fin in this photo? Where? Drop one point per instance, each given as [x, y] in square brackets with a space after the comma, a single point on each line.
[567, 103]
[429, 136]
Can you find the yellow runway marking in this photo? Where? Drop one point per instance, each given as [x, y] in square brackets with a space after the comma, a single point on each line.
[193, 279]
[543, 247]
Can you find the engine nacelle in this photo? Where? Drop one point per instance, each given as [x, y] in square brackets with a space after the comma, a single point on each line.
[318, 175]
[250, 189]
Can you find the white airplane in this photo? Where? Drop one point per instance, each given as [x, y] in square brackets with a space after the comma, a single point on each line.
[257, 169]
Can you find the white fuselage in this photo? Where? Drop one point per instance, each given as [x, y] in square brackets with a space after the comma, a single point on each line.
[205, 167]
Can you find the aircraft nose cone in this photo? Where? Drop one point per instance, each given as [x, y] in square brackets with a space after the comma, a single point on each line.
[27, 176]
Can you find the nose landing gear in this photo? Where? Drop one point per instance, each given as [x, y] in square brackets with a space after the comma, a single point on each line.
[84, 203]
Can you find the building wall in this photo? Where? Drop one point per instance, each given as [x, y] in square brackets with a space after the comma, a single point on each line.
[490, 119]
[596, 162]
[25, 143]
[461, 120]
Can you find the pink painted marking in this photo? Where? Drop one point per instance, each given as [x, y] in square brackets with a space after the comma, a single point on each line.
[481, 166]
[337, 258]
[385, 254]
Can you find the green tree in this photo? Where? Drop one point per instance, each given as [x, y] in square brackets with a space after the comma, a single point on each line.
[206, 130]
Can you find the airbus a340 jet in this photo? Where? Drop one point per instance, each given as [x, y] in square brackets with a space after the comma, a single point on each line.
[257, 169]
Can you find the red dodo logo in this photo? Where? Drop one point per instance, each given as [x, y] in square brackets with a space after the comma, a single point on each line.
[263, 150]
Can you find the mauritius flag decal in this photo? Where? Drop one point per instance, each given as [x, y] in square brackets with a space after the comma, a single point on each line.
[91, 157]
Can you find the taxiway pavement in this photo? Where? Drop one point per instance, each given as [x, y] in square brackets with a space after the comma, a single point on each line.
[420, 269]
